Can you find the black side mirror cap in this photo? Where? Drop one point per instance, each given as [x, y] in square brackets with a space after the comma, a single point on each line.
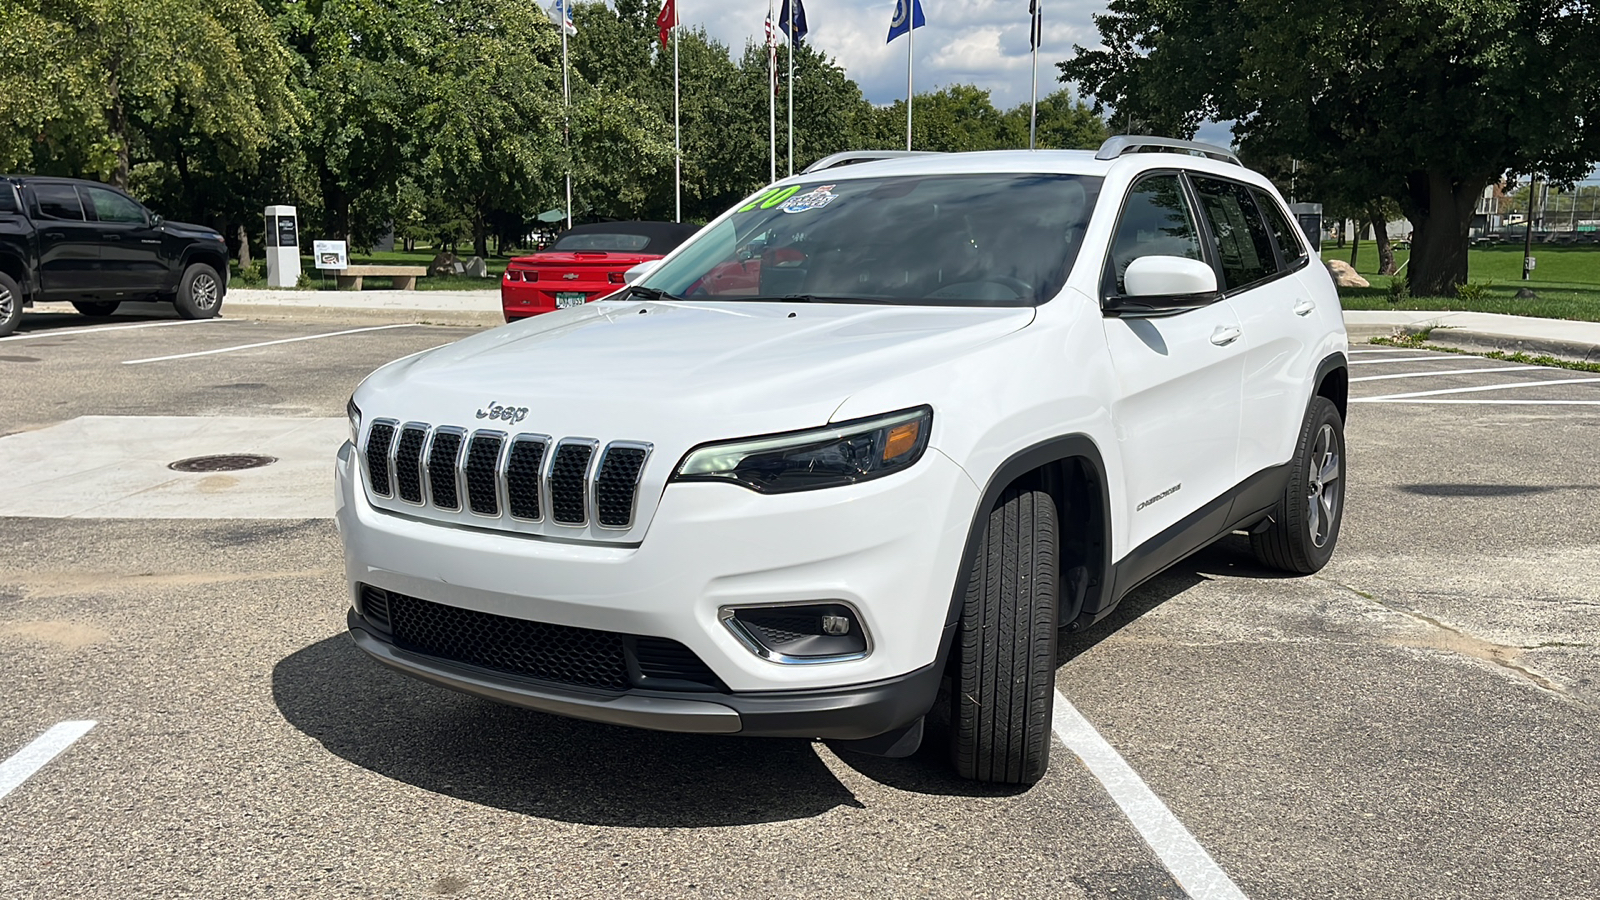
[1155, 306]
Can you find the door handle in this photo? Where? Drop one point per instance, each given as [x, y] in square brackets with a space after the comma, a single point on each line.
[55, 235]
[110, 237]
[1303, 307]
[1225, 335]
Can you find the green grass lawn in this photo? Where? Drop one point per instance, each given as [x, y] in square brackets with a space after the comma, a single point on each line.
[1567, 281]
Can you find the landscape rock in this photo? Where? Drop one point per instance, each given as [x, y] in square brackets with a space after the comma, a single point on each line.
[1526, 294]
[444, 263]
[476, 268]
[1344, 275]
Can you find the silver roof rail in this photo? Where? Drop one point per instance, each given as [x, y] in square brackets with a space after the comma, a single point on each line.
[1134, 143]
[851, 157]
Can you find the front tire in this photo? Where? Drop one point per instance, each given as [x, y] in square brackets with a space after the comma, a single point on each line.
[1003, 682]
[1305, 523]
[199, 292]
[10, 305]
[96, 307]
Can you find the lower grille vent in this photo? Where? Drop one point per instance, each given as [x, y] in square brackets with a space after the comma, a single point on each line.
[375, 605]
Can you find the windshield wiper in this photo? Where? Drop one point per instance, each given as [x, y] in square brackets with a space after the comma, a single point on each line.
[806, 298]
[655, 294]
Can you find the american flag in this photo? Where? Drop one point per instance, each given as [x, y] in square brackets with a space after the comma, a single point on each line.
[772, 50]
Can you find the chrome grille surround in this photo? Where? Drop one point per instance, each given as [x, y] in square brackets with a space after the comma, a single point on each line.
[528, 486]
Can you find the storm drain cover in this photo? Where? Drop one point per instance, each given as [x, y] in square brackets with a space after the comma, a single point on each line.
[226, 462]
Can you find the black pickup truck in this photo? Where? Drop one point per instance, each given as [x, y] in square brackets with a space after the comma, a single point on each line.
[91, 245]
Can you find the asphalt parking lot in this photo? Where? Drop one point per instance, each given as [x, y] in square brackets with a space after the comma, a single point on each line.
[1418, 720]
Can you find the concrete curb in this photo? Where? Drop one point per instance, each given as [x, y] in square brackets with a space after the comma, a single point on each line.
[345, 315]
[1468, 339]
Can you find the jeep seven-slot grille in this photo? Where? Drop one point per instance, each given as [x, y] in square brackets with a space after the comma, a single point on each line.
[579, 657]
[574, 482]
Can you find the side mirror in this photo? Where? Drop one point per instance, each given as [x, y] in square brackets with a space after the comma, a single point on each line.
[639, 271]
[155, 220]
[1164, 285]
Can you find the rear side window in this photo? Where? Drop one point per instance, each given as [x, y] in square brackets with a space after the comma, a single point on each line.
[8, 198]
[1156, 221]
[1288, 240]
[110, 206]
[610, 243]
[58, 201]
[1242, 242]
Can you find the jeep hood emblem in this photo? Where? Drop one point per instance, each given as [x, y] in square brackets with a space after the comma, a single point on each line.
[512, 414]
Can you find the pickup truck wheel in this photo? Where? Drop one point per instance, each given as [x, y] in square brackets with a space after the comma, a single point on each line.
[1003, 683]
[199, 293]
[96, 307]
[1305, 523]
[10, 305]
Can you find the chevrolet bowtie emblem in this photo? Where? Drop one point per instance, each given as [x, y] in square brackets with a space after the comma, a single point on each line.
[571, 276]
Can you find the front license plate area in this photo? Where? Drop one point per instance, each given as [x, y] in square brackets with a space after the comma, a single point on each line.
[565, 299]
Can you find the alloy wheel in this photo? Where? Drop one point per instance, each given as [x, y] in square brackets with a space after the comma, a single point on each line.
[204, 291]
[1324, 487]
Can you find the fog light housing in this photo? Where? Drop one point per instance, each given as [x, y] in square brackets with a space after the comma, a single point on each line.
[801, 633]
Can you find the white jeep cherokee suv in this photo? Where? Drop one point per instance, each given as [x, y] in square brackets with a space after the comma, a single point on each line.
[879, 426]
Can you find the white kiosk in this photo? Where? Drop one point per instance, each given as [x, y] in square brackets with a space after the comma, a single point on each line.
[283, 247]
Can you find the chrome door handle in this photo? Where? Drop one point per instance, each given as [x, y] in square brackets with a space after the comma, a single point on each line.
[1225, 335]
[1303, 307]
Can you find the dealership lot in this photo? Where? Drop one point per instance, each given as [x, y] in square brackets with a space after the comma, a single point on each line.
[1417, 720]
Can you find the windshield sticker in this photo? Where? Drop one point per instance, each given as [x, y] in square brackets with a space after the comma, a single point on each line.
[817, 199]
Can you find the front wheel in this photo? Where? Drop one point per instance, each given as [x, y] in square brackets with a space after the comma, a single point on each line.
[199, 292]
[10, 305]
[96, 307]
[1003, 683]
[1305, 524]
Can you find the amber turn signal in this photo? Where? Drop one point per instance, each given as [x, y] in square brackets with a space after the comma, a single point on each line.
[902, 440]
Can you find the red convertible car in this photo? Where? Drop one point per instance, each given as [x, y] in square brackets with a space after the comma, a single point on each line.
[585, 263]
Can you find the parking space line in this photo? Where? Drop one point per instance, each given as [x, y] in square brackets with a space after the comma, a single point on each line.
[1447, 372]
[1383, 350]
[308, 337]
[1481, 402]
[1191, 866]
[1434, 358]
[1481, 387]
[98, 328]
[44, 748]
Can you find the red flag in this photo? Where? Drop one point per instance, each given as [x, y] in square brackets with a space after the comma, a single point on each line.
[667, 20]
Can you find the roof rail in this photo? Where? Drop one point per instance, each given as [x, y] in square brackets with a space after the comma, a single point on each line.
[851, 157]
[1136, 143]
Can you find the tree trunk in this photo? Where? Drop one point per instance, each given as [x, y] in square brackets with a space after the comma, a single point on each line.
[1355, 241]
[244, 250]
[117, 119]
[1380, 229]
[1440, 208]
[480, 236]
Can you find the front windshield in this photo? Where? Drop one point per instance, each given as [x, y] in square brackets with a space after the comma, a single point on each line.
[947, 240]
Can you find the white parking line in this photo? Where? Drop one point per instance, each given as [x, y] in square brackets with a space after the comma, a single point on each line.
[309, 337]
[1384, 350]
[1447, 372]
[1470, 390]
[43, 334]
[1483, 402]
[1191, 866]
[1435, 358]
[44, 748]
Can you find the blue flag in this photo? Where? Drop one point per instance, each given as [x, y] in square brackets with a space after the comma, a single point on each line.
[800, 28]
[900, 23]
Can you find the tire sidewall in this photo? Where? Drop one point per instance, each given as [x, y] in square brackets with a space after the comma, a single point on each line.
[184, 301]
[14, 318]
[1297, 517]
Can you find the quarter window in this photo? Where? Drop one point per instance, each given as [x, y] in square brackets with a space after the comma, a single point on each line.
[58, 201]
[8, 198]
[1156, 221]
[1241, 234]
[1288, 242]
[110, 206]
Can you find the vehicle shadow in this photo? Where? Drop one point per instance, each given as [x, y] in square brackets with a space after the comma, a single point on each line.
[57, 316]
[540, 765]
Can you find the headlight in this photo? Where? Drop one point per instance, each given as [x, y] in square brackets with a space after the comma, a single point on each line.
[840, 454]
[354, 413]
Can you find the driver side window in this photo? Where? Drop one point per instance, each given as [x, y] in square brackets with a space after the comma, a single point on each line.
[1156, 221]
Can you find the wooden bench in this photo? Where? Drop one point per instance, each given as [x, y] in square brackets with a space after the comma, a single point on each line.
[405, 277]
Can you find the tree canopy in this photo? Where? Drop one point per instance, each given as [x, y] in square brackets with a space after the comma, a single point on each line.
[1425, 101]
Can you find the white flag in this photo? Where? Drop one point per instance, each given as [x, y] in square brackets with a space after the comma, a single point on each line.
[562, 16]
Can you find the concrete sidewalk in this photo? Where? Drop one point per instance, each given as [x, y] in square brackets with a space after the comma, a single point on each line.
[1468, 330]
[1483, 331]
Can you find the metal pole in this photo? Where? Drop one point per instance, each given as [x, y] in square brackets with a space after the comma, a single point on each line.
[677, 132]
[791, 86]
[772, 98]
[1033, 110]
[1527, 236]
[566, 95]
[911, 42]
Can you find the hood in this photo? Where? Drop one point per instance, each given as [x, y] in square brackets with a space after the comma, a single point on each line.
[677, 374]
[189, 229]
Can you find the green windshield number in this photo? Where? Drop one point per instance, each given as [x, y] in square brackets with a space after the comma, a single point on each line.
[771, 198]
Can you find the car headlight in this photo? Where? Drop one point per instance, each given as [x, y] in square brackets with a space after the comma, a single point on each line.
[846, 453]
[353, 411]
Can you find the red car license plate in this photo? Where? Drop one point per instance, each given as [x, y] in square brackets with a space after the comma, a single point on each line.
[565, 299]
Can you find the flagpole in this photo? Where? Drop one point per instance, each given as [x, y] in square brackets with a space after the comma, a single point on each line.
[566, 94]
[911, 42]
[790, 5]
[1035, 28]
[772, 97]
[677, 131]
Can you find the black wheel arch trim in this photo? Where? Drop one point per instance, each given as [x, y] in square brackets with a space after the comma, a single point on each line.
[205, 256]
[1331, 363]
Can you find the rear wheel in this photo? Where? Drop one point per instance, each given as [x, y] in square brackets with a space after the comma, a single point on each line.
[199, 292]
[96, 307]
[1305, 523]
[1004, 677]
[10, 305]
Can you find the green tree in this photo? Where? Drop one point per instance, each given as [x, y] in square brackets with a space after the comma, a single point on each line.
[1432, 99]
[1064, 123]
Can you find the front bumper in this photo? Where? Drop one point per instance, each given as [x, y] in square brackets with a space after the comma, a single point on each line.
[853, 713]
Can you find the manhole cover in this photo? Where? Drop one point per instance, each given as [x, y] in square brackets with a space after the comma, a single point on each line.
[227, 462]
